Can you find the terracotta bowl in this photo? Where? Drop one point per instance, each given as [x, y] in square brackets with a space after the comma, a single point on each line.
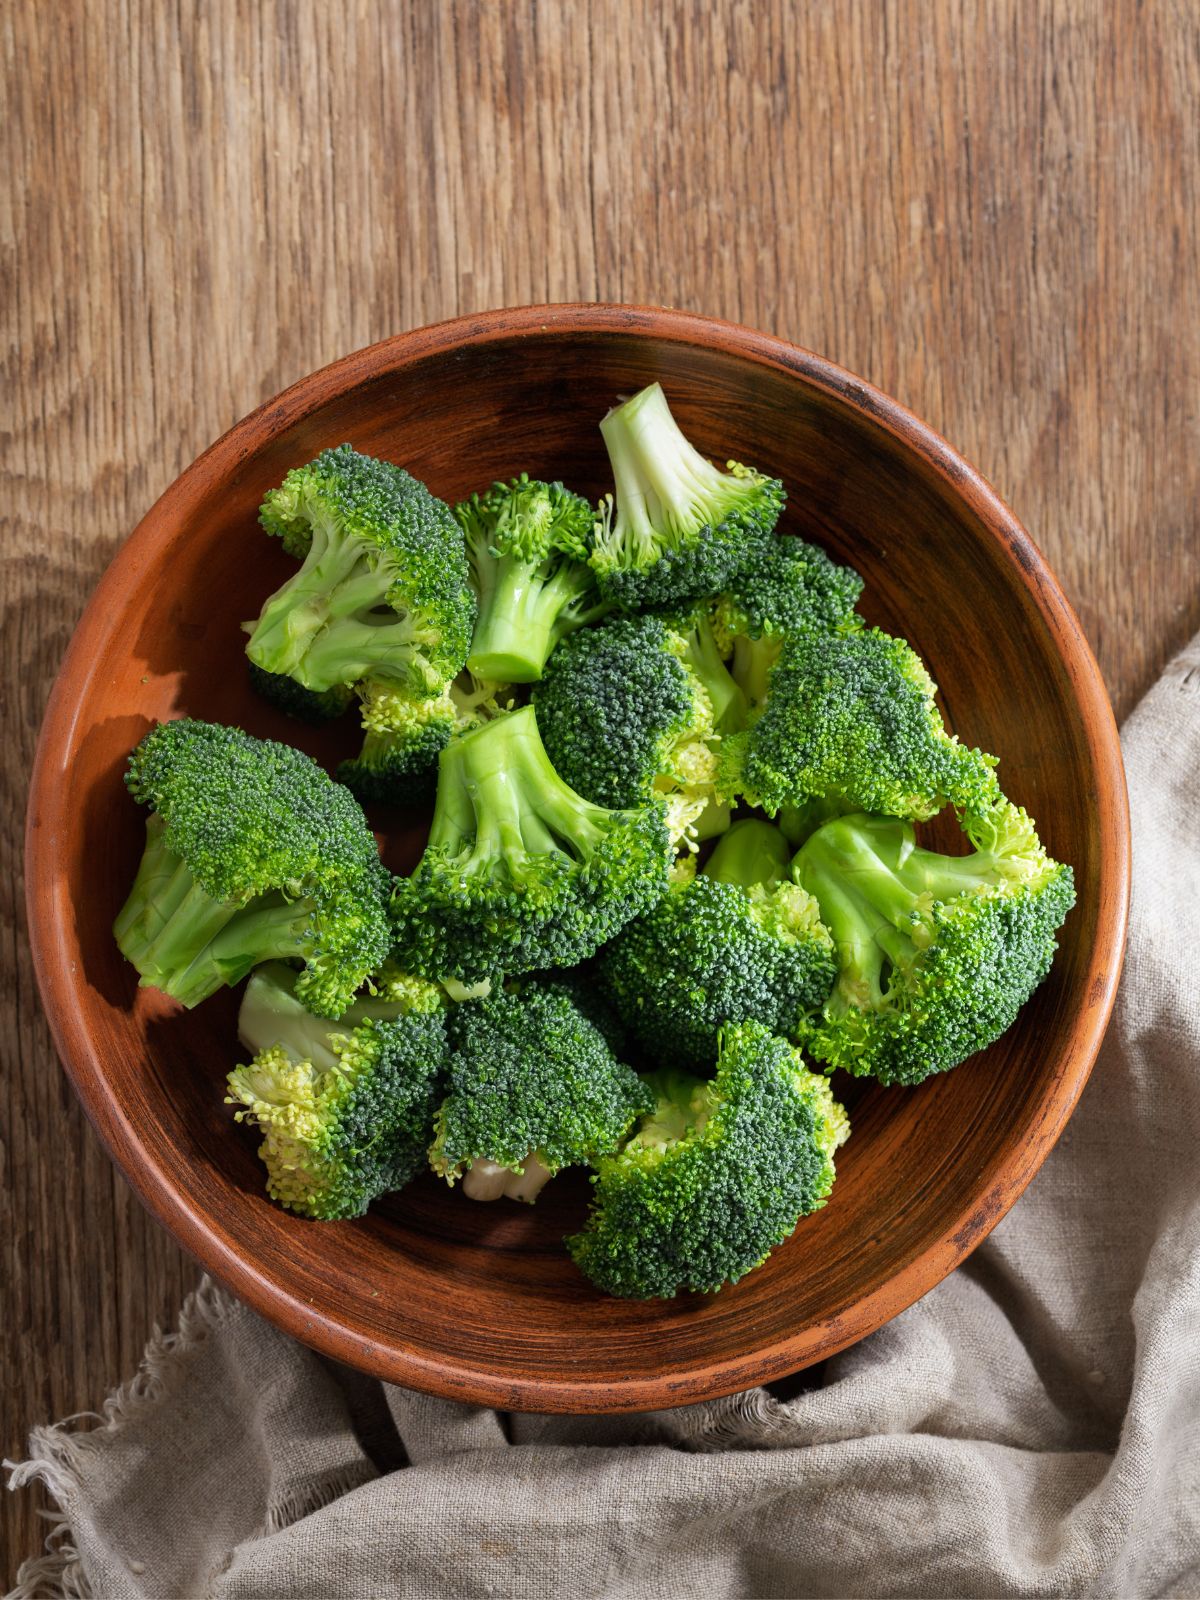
[480, 1302]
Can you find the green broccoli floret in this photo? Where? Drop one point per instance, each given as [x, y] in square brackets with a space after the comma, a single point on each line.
[252, 853]
[528, 545]
[405, 734]
[382, 590]
[718, 1175]
[533, 1087]
[520, 871]
[741, 942]
[627, 713]
[852, 718]
[936, 954]
[791, 587]
[681, 528]
[346, 1107]
[294, 700]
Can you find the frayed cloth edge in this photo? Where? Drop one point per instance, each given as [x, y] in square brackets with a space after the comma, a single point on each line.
[58, 1452]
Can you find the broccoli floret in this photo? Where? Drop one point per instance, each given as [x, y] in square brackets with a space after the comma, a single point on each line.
[627, 713]
[533, 1087]
[405, 734]
[294, 700]
[741, 942]
[681, 528]
[346, 1107]
[852, 718]
[718, 1175]
[520, 871]
[252, 853]
[382, 590]
[528, 545]
[791, 587]
[936, 954]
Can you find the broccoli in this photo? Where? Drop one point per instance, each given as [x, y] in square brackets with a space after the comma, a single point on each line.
[798, 823]
[852, 718]
[627, 713]
[741, 942]
[382, 590]
[791, 587]
[405, 734]
[681, 528]
[252, 853]
[936, 954]
[345, 1108]
[294, 700]
[533, 1087]
[528, 545]
[520, 871]
[718, 1175]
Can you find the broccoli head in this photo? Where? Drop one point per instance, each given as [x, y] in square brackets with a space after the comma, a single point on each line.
[936, 954]
[740, 942]
[627, 712]
[791, 587]
[252, 853]
[533, 1087]
[294, 700]
[345, 1108]
[405, 734]
[680, 527]
[382, 589]
[852, 718]
[520, 872]
[528, 545]
[718, 1174]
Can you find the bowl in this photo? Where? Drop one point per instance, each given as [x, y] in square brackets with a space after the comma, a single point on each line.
[480, 1302]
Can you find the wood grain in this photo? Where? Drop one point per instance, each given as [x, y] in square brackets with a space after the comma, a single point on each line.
[990, 210]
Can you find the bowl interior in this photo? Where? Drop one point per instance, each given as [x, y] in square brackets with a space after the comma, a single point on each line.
[478, 1301]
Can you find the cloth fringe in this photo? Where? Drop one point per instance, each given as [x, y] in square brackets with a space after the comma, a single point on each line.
[58, 1453]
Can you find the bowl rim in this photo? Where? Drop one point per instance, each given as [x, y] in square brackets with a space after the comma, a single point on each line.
[151, 1179]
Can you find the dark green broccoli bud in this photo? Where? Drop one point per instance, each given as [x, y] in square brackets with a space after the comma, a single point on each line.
[739, 943]
[405, 734]
[853, 719]
[626, 711]
[583, 987]
[718, 1175]
[533, 1087]
[252, 854]
[681, 528]
[294, 700]
[791, 587]
[382, 590]
[345, 1107]
[528, 544]
[936, 954]
[520, 871]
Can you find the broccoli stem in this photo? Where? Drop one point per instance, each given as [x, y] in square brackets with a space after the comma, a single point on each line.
[664, 485]
[752, 852]
[705, 659]
[300, 608]
[499, 795]
[521, 618]
[753, 660]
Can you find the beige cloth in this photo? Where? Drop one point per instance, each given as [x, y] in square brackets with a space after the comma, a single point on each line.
[1031, 1427]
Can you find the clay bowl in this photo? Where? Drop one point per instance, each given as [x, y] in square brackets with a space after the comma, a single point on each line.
[480, 1302]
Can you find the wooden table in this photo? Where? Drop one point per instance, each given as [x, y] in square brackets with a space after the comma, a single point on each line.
[990, 210]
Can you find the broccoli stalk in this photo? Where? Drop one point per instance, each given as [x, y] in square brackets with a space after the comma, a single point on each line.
[681, 528]
[520, 871]
[382, 588]
[718, 1175]
[528, 545]
[936, 954]
[252, 854]
[752, 854]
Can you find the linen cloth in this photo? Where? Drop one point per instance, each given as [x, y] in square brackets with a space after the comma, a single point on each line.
[1031, 1427]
